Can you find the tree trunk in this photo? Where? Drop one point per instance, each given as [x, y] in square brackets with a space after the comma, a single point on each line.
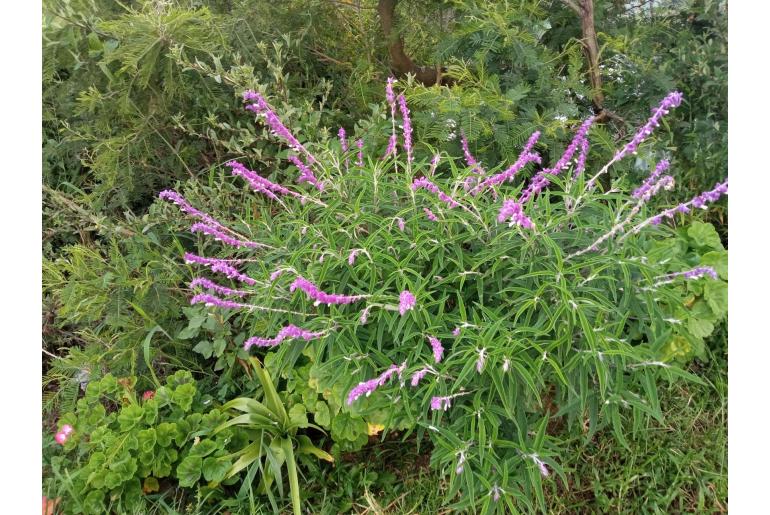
[400, 63]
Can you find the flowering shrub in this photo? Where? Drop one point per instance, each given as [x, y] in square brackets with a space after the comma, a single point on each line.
[461, 301]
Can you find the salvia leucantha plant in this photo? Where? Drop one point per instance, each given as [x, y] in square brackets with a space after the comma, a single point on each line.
[456, 301]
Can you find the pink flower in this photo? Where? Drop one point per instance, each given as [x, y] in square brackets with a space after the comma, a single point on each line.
[149, 394]
[406, 301]
[63, 435]
[430, 214]
[438, 350]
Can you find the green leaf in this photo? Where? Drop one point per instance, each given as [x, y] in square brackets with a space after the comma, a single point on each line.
[147, 439]
[704, 235]
[321, 415]
[183, 396]
[130, 416]
[204, 348]
[215, 469]
[203, 448]
[715, 293]
[700, 328]
[189, 471]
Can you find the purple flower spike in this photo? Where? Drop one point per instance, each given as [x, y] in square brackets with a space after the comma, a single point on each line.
[406, 301]
[699, 272]
[700, 201]
[673, 99]
[407, 127]
[508, 174]
[430, 214]
[417, 376]
[469, 159]
[221, 266]
[306, 174]
[214, 301]
[319, 296]
[185, 206]
[540, 464]
[278, 129]
[581, 160]
[367, 387]
[441, 403]
[259, 183]
[343, 139]
[438, 350]
[423, 182]
[646, 186]
[211, 285]
[287, 333]
[540, 181]
[456, 331]
[390, 96]
[481, 360]
[391, 147]
[515, 212]
[219, 235]
[401, 223]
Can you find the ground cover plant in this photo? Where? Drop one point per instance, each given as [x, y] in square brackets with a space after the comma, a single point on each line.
[455, 302]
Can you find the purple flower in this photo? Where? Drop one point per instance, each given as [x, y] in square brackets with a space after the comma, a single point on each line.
[444, 403]
[469, 159]
[460, 462]
[286, 333]
[495, 492]
[423, 182]
[508, 174]
[211, 285]
[221, 266]
[219, 235]
[456, 331]
[277, 127]
[185, 206]
[406, 301]
[360, 145]
[434, 164]
[367, 387]
[407, 127]
[540, 181]
[515, 212]
[430, 214]
[673, 99]
[389, 95]
[581, 160]
[391, 147]
[417, 376]
[401, 223]
[259, 183]
[214, 301]
[695, 273]
[540, 464]
[700, 201]
[441, 403]
[343, 139]
[319, 296]
[646, 186]
[482, 358]
[275, 275]
[438, 350]
[306, 174]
